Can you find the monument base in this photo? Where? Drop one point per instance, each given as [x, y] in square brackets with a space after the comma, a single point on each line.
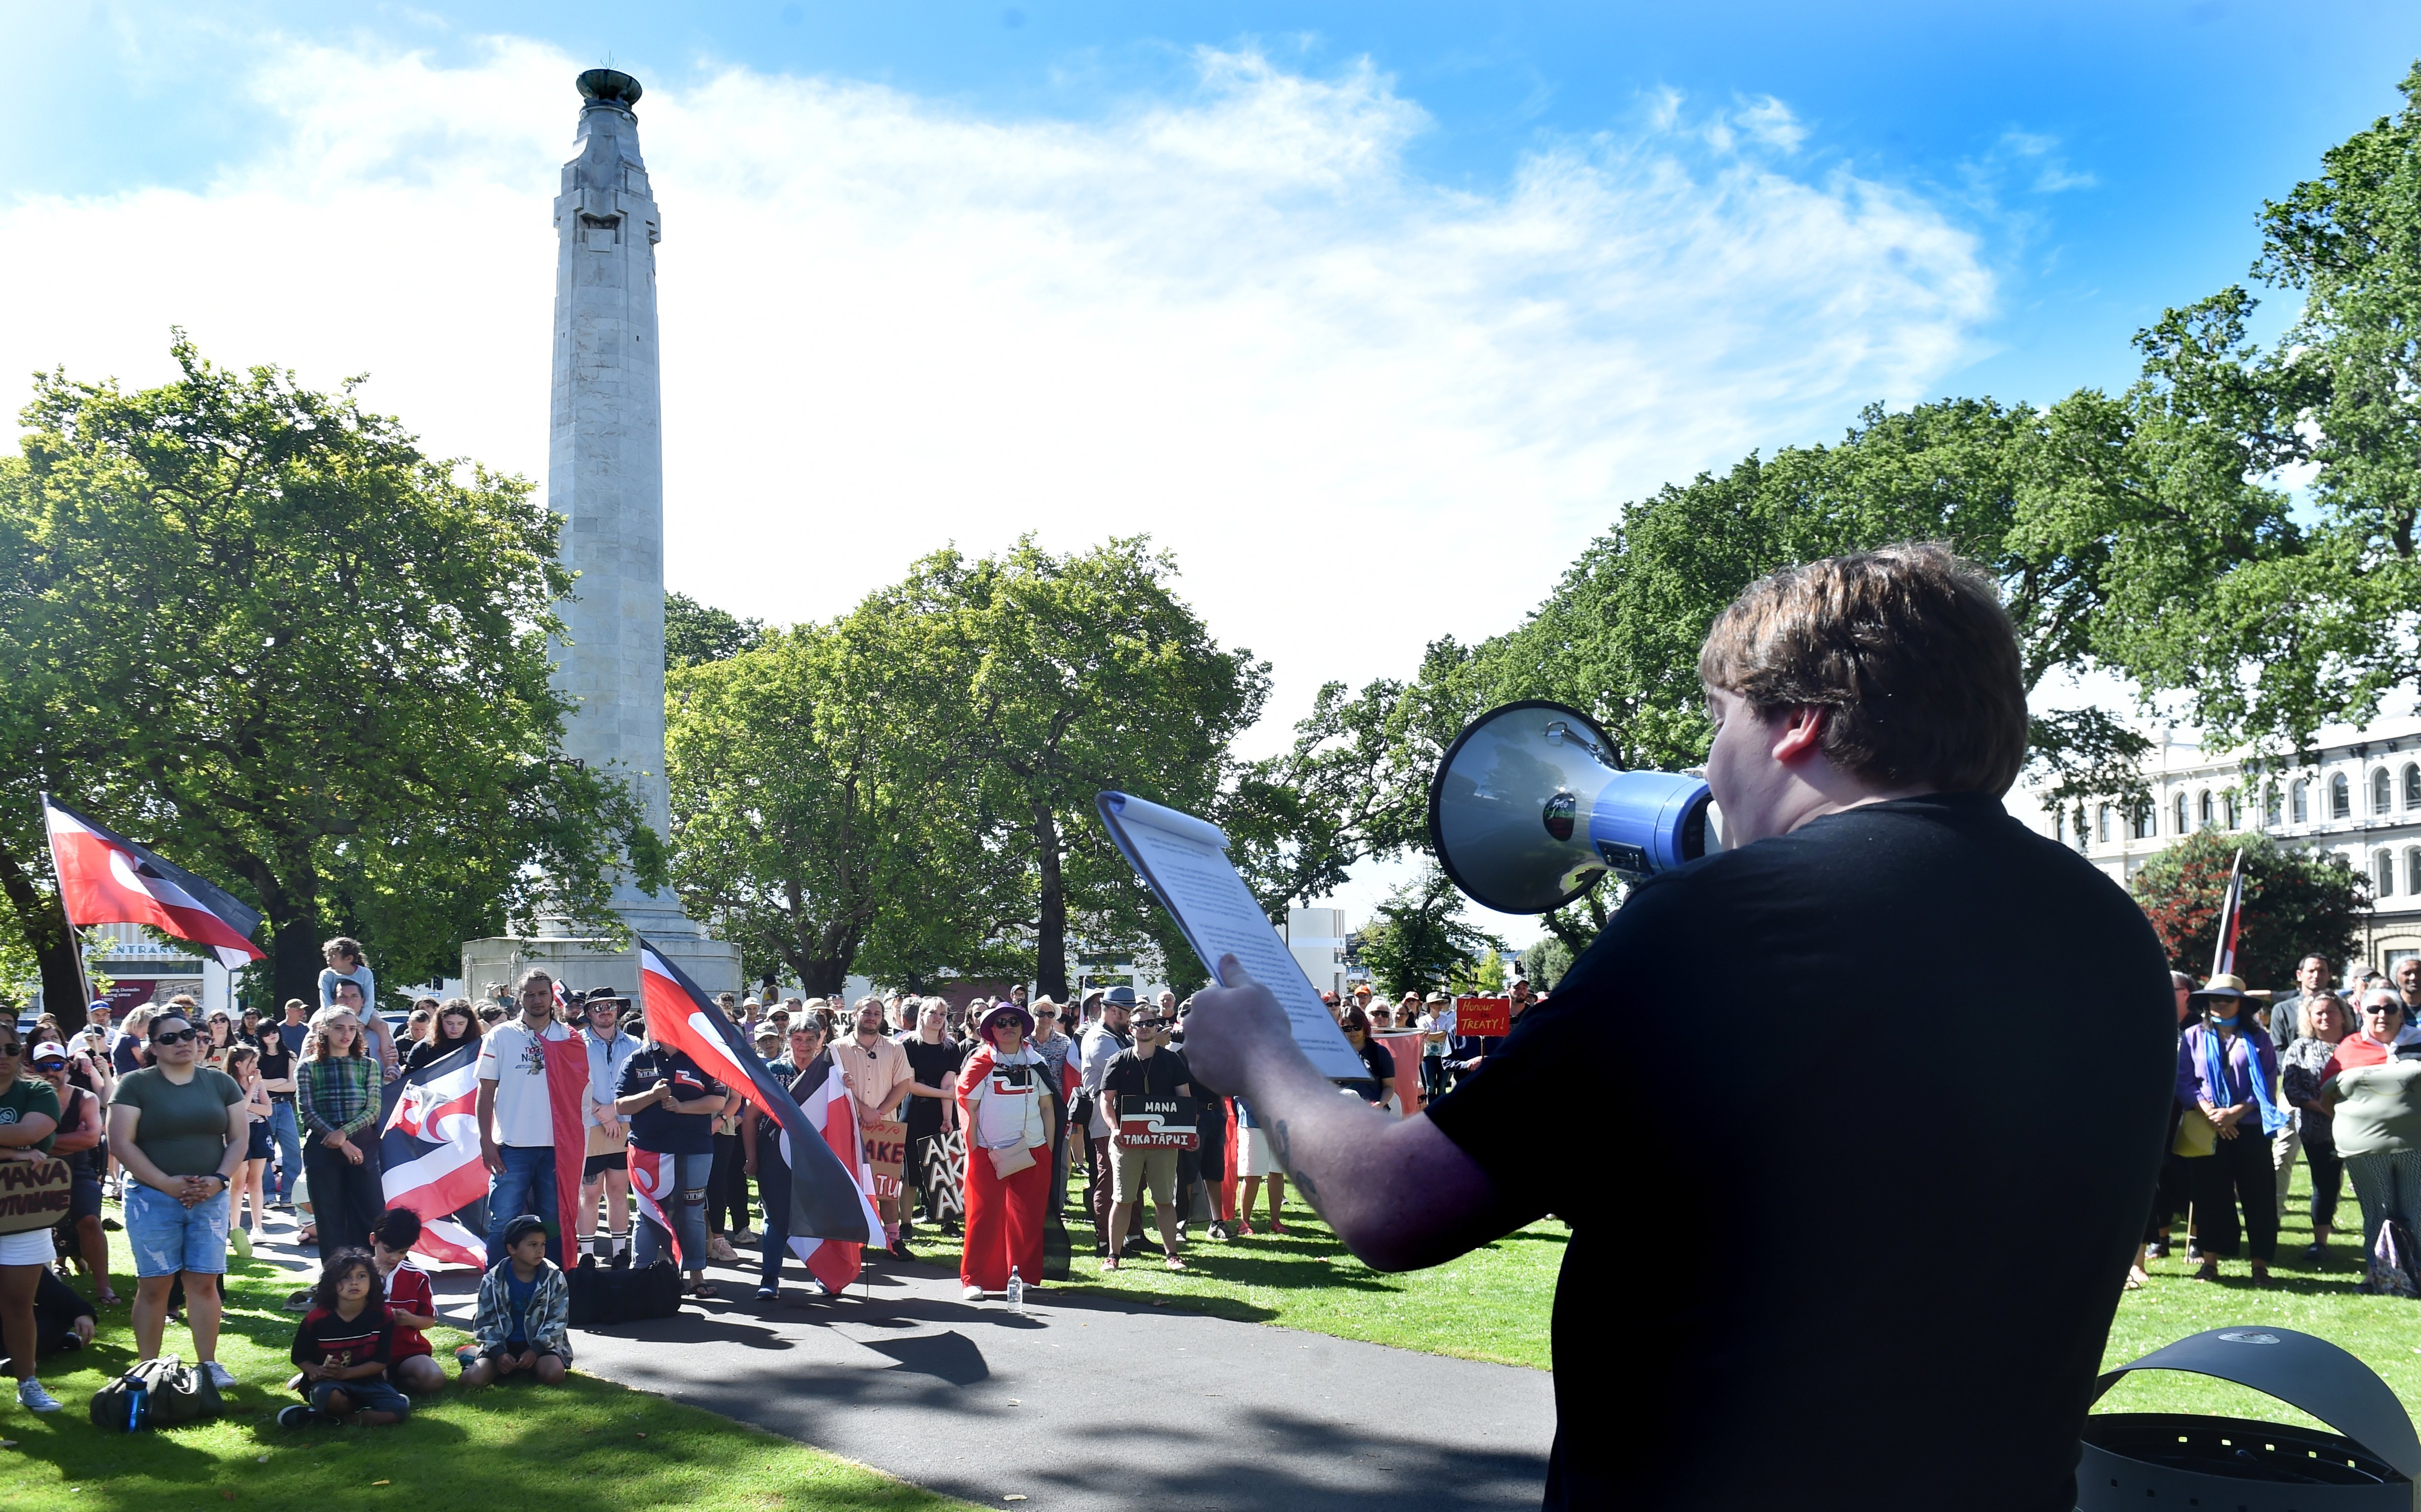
[578, 965]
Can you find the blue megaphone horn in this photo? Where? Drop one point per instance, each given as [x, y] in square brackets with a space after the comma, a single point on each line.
[1528, 810]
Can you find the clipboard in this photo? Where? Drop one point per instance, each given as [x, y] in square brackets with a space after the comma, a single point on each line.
[1184, 862]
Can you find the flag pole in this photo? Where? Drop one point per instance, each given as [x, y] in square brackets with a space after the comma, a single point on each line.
[75, 936]
[2223, 955]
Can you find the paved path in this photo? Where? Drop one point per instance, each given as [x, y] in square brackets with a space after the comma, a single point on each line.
[1083, 1403]
[1089, 1402]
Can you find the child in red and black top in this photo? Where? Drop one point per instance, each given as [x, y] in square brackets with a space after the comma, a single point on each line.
[344, 1345]
[410, 1300]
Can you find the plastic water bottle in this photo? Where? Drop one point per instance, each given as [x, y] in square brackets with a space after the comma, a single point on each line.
[1016, 1291]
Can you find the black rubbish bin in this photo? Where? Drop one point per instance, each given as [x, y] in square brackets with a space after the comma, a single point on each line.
[2225, 1464]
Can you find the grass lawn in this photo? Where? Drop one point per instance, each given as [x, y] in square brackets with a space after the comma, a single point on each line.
[1493, 1303]
[590, 1444]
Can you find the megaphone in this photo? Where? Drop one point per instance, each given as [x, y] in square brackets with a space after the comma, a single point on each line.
[1528, 810]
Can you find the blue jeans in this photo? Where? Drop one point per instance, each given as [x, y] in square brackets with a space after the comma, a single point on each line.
[167, 1237]
[691, 1173]
[289, 1136]
[525, 1185]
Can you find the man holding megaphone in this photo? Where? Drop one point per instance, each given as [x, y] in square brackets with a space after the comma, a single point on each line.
[1836, 1349]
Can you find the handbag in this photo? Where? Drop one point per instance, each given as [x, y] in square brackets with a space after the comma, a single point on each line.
[1006, 1162]
[157, 1394]
[2195, 1138]
[2390, 1272]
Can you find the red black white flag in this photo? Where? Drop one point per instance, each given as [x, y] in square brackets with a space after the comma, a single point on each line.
[2231, 921]
[831, 1190]
[105, 877]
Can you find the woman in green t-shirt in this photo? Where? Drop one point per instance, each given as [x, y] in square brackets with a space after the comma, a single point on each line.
[179, 1129]
[2376, 1120]
[29, 1116]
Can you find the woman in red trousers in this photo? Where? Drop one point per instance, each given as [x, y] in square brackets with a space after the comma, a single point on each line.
[1007, 1109]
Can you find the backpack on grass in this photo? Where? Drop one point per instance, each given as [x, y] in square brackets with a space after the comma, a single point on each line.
[158, 1393]
[602, 1296]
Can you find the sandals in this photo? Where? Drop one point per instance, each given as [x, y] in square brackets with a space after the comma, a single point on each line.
[703, 1290]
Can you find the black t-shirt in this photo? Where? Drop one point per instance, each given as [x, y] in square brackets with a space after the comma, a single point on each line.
[122, 1059]
[1380, 1062]
[933, 1066]
[1130, 1075]
[1866, 1372]
[656, 1127]
[276, 1064]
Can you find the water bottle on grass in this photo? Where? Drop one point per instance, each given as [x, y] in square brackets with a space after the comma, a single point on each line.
[1016, 1291]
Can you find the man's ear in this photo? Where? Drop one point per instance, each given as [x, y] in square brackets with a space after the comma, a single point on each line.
[1799, 734]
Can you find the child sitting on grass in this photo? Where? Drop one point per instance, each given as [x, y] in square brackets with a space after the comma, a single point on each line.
[524, 1318]
[410, 1300]
[344, 1345]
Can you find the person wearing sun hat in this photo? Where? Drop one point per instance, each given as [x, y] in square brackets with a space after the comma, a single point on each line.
[2228, 1070]
[1004, 1096]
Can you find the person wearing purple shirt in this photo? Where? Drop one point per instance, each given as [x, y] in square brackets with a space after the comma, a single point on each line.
[2232, 1076]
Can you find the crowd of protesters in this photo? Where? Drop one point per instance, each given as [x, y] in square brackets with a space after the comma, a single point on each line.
[2326, 1074]
[1011, 1110]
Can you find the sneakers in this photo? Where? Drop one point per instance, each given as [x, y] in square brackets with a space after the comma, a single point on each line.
[241, 1242]
[30, 1394]
[298, 1416]
[719, 1248]
[1219, 1232]
[972, 1294]
[767, 1294]
[2156, 1251]
[221, 1376]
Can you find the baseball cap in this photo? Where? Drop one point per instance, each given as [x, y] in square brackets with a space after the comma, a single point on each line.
[49, 1049]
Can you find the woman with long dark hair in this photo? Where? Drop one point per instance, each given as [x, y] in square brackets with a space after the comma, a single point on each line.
[454, 1027]
[2228, 1070]
[336, 1096]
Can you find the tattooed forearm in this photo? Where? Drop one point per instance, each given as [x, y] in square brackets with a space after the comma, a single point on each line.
[1302, 1179]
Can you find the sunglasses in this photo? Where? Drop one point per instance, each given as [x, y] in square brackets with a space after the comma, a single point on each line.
[177, 1037]
[50, 1066]
[12, 1052]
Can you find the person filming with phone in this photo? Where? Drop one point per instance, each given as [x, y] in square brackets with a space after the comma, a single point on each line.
[1868, 712]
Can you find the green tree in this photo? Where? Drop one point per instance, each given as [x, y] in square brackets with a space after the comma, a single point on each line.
[1053, 678]
[1419, 940]
[2271, 615]
[2297, 903]
[697, 633]
[813, 823]
[1543, 964]
[255, 628]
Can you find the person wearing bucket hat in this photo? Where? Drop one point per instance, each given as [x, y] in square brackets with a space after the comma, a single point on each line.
[2227, 1068]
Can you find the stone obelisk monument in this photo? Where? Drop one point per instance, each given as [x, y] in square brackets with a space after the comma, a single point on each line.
[606, 477]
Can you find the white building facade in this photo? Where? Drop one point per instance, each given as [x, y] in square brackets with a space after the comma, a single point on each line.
[2357, 793]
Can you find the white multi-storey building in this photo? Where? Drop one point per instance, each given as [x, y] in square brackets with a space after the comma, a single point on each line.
[2357, 793]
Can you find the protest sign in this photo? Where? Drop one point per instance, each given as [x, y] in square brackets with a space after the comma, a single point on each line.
[34, 1193]
[1157, 1123]
[886, 1152]
[1483, 1016]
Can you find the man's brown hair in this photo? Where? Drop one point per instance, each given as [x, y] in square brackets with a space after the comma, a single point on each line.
[1906, 649]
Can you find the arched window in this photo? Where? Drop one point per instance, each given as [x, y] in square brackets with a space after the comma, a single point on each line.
[2270, 806]
[2079, 830]
[2181, 814]
[2412, 785]
[2233, 807]
[2382, 793]
[2101, 824]
[2412, 868]
[2142, 819]
[2202, 807]
[2340, 798]
[2387, 870]
[2303, 802]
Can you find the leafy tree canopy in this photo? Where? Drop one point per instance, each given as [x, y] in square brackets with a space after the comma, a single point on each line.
[1419, 940]
[254, 627]
[697, 633]
[2297, 903]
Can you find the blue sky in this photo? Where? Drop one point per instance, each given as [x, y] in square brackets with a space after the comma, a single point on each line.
[1371, 315]
[2110, 156]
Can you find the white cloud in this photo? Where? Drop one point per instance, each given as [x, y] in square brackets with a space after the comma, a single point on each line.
[1361, 408]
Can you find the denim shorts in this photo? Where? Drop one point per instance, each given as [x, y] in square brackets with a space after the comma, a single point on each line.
[168, 1237]
[376, 1394]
